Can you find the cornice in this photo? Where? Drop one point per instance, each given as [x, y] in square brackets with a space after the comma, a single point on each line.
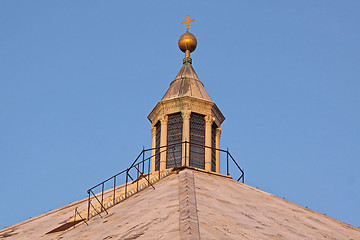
[186, 105]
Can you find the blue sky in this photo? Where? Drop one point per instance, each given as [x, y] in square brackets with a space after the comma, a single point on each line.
[78, 79]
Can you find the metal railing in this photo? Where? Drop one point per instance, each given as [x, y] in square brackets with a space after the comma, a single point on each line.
[82, 219]
[141, 168]
[230, 161]
[138, 169]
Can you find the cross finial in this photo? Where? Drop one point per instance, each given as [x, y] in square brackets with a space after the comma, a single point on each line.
[187, 22]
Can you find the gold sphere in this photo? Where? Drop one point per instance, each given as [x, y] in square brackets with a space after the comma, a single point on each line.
[187, 41]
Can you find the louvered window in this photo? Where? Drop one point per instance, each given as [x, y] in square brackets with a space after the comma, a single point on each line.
[157, 145]
[174, 136]
[197, 135]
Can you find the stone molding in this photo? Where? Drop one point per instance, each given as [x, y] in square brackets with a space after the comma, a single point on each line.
[183, 105]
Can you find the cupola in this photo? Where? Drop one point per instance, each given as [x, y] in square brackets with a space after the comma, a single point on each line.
[186, 123]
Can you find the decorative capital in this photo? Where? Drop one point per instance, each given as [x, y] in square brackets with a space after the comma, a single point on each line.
[164, 119]
[208, 120]
[186, 115]
[153, 131]
[218, 132]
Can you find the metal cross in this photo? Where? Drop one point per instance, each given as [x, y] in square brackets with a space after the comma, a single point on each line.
[187, 22]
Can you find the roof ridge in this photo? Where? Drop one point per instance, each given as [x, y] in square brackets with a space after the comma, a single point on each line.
[188, 217]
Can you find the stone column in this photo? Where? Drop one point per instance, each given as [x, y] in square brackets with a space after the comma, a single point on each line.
[163, 142]
[217, 145]
[208, 123]
[153, 146]
[186, 137]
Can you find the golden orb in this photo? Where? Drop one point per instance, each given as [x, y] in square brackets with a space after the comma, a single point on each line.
[187, 41]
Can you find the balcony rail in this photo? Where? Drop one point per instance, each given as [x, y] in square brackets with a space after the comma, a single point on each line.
[141, 169]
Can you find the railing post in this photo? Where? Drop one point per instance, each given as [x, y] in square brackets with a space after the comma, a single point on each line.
[102, 197]
[88, 215]
[98, 202]
[77, 212]
[127, 173]
[149, 171]
[227, 161]
[114, 198]
[75, 217]
[143, 165]
[137, 178]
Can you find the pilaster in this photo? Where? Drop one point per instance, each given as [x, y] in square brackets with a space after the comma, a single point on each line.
[153, 146]
[217, 145]
[163, 142]
[186, 137]
[208, 124]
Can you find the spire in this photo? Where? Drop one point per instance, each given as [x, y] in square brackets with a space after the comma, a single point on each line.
[187, 83]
